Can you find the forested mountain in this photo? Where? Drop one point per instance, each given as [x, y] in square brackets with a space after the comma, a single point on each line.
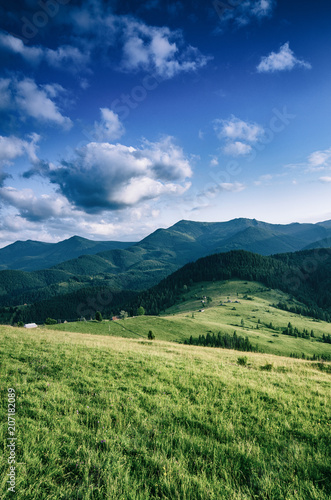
[33, 255]
[304, 275]
[325, 243]
[144, 264]
[184, 241]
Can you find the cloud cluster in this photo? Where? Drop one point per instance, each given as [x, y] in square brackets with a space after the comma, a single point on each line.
[104, 176]
[158, 50]
[35, 101]
[98, 31]
[281, 61]
[243, 12]
[238, 134]
[64, 57]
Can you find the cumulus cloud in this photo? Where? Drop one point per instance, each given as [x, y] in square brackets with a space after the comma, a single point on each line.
[34, 100]
[104, 176]
[159, 50]
[237, 149]
[109, 128]
[238, 134]
[35, 208]
[281, 61]
[234, 128]
[12, 147]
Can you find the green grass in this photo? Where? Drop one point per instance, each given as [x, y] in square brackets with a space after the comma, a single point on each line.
[177, 324]
[101, 417]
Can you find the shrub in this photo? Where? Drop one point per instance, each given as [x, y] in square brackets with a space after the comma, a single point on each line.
[242, 360]
[20, 323]
[140, 311]
[267, 367]
[98, 316]
[50, 321]
[151, 335]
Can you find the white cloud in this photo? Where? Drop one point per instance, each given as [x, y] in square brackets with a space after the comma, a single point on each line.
[320, 159]
[245, 11]
[15, 45]
[105, 176]
[234, 128]
[237, 149]
[234, 187]
[238, 134]
[34, 100]
[13, 147]
[65, 57]
[96, 32]
[159, 50]
[109, 128]
[281, 61]
[35, 208]
[262, 8]
[325, 179]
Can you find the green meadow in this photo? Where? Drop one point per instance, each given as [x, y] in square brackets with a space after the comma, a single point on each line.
[103, 413]
[254, 309]
[106, 417]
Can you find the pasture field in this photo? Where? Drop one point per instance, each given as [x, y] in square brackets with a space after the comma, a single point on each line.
[106, 417]
[254, 308]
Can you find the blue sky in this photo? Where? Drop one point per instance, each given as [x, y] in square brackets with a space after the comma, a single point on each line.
[117, 119]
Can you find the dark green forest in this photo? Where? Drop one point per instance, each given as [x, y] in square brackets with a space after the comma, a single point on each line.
[306, 276]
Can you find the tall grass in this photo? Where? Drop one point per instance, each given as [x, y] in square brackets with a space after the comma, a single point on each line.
[110, 418]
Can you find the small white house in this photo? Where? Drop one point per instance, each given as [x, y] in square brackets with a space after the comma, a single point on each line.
[30, 325]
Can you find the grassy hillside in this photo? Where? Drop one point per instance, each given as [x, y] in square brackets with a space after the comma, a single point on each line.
[306, 275]
[104, 417]
[181, 321]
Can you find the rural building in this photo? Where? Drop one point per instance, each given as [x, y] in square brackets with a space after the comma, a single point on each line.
[30, 325]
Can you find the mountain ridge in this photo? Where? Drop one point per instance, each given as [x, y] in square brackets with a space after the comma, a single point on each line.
[145, 263]
[33, 255]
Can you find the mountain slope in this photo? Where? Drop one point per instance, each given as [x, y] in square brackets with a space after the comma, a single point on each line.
[325, 243]
[34, 255]
[286, 272]
[144, 264]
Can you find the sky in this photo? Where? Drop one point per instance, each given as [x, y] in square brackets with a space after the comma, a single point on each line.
[120, 117]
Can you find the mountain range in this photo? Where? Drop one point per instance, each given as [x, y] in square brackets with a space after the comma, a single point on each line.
[137, 266]
[33, 255]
